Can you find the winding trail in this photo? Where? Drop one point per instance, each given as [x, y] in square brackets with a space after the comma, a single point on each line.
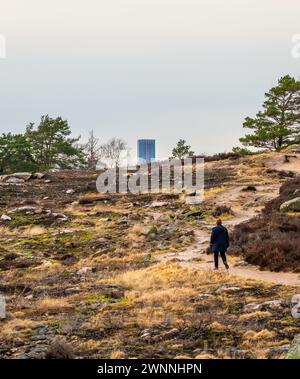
[245, 205]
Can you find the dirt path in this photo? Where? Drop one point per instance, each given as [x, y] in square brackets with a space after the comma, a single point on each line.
[245, 205]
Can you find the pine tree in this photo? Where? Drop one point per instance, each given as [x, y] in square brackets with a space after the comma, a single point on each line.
[278, 124]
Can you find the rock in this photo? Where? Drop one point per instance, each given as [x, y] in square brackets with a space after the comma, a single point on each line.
[72, 290]
[278, 350]
[62, 232]
[291, 205]
[5, 218]
[45, 262]
[193, 200]
[15, 180]
[249, 188]
[294, 351]
[193, 214]
[39, 175]
[19, 175]
[134, 217]
[85, 270]
[60, 216]
[145, 334]
[122, 221]
[285, 174]
[2, 307]
[273, 304]
[169, 333]
[41, 337]
[244, 354]
[47, 181]
[148, 229]
[158, 204]
[38, 352]
[70, 191]
[26, 208]
[225, 289]
[201, 296]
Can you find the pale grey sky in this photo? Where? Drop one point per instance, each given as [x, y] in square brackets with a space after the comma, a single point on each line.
[163, 69]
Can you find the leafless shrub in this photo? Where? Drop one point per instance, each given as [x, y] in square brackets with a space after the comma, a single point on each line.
[60, 349]
[273, 239]
[222, 209]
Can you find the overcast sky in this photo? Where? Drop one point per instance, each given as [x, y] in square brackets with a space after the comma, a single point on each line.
[163, 69]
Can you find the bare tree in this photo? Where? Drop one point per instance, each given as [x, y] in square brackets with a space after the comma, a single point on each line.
[92, 151]
[112, 151]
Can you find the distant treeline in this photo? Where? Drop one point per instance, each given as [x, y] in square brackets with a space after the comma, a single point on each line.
[50, 145]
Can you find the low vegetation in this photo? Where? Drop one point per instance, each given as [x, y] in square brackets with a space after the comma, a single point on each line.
[272, 240]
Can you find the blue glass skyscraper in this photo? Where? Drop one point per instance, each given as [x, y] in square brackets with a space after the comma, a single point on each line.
[146, 150]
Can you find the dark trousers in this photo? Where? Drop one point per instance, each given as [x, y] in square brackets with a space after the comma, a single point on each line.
[216, 258]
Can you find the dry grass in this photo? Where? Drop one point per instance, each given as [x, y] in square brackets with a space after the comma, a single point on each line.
[218, 326]
[31, 231]
[163, 275]
[51, 305]
[205, 356]
[108, 309]
[263, 334]
[163, 293]
[117, 355]
[255, 315]
[17, 328]
[212, 192]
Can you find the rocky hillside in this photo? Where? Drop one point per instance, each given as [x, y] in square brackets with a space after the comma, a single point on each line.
[81, 275]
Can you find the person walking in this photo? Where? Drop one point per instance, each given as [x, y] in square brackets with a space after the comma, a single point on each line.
[219, 243]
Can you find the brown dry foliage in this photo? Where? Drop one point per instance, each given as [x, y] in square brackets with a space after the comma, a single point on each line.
[271, 240]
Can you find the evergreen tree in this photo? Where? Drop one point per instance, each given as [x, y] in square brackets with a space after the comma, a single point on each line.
[278, 124]
[182, 150]
[16, 154]
[52, 145]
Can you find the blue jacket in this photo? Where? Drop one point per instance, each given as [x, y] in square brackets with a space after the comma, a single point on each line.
[219, 240]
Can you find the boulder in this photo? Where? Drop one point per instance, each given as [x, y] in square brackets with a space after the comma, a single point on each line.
[291, 205]
[294, 351]
[18, 177]
[5, 218]
[21, 175]
[148, 229]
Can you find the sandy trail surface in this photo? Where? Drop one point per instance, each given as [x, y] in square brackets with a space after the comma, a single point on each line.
[245, 205]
